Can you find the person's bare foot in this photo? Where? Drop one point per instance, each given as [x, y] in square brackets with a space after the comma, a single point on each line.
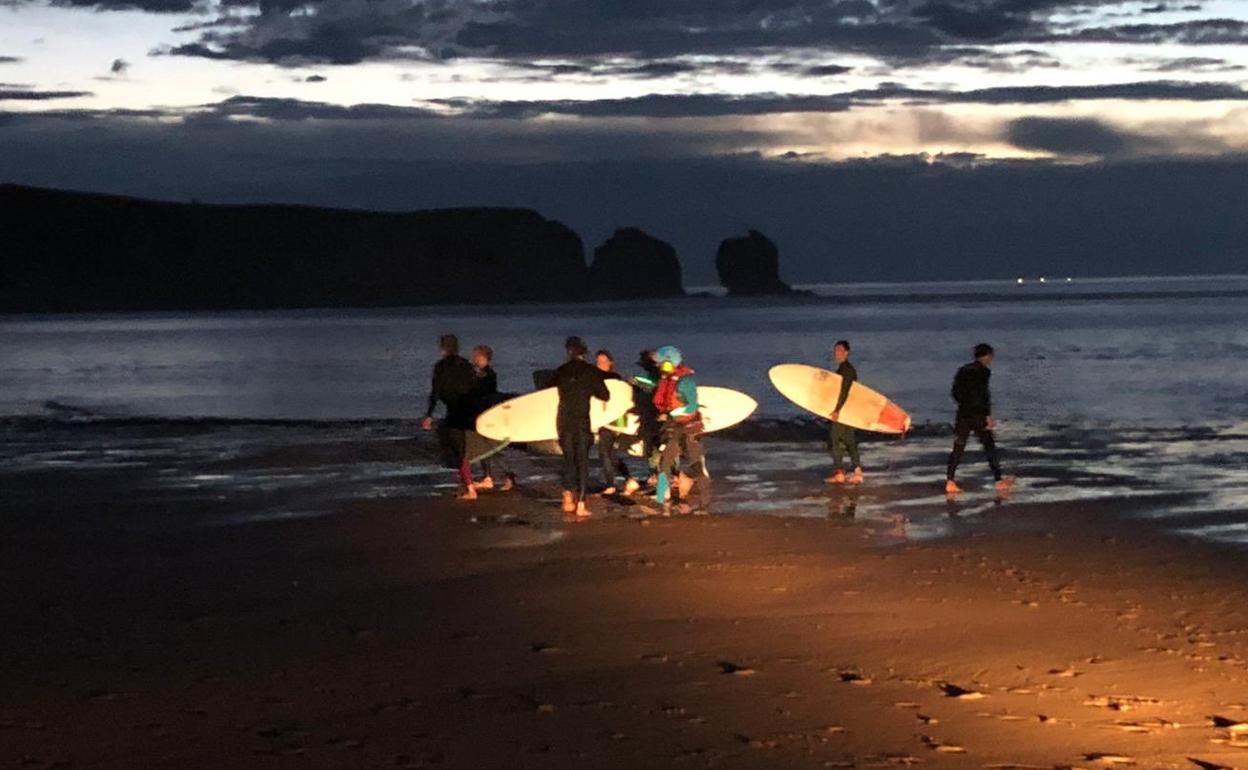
[1004, 486]
[684, 484]
[630, 487]
[836, 478]
[568, 505]
[609, 491]
[857, 478]
[582, 511]
[951, 488]
[485, 483]
[469, 493]
[509, 483]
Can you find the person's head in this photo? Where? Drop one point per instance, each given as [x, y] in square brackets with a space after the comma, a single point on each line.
[576, 347]
[669, 358]
[604, 361]
[983, 353]
[482, 355]
[840, 351]
[448, 344]
[648, 363]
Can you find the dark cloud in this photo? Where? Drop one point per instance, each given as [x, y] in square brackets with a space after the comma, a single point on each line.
[826, 70]
[26, 95]
[150, 6]
[119, 67]
[315, 79]
[1187, 64]
[293, 110]
[1078, 137]
[9, 59]
[713, 105]
[1194, 32]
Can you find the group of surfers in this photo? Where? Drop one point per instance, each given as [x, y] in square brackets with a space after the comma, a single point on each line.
[670, 426]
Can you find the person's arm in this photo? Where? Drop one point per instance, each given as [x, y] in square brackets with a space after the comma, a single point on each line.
[434, 391]
[848, 375]
[687, 392]
[988, 400]
[601, 391]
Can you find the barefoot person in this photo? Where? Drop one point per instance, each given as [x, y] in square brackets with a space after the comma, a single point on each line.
[452, 385]
[483, 396]
[578, 381]
[613, 445]
[676, 398]
[970, 391]
[843, 438]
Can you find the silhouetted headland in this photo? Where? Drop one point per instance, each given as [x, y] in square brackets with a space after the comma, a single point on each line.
[76, 252]
[750, 266]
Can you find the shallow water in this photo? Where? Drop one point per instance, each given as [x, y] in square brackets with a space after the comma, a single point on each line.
[1130, 390]
[1159, 352]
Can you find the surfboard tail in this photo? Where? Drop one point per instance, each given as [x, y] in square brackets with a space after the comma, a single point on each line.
[894, 418]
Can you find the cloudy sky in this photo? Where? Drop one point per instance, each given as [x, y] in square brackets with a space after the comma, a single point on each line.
[397, 103]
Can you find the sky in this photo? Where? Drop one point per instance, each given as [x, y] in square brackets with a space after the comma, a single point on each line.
[608, 113]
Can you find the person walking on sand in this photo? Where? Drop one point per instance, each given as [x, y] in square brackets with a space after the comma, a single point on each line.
[970, 391]
[843, 439]
[577, 382]
[452, 385]
[612, 444]
[676, 398]
[483, 396]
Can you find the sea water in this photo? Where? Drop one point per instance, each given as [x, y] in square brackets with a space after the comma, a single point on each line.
[1108, 388]
[1156, 352]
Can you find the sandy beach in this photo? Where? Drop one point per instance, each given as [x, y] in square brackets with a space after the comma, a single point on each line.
[156, 624]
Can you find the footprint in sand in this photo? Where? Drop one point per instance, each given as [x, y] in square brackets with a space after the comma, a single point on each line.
[961, 693]
[1144, 725]
[1208, 765]
[853, 677]
[941, 746]
[728, 667]
[1232, 726]
[1108, 760]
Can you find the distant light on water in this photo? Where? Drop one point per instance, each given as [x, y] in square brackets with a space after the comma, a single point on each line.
[1042, 279]
[1020, 280]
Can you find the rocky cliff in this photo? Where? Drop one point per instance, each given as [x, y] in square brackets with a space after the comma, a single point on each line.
[750, 266]
[73, 252]
[632, 264]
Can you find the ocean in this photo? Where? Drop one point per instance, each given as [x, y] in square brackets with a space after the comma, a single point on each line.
[1123, 389]
[1107, 352]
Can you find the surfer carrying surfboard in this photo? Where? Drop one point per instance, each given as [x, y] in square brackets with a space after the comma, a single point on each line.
[843, 438]
[613, 445]
[970, 391]
[577, 381]
[676, 398]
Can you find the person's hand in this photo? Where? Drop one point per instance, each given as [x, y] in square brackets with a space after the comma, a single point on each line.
[990, 423]
[835, 415]
[427, 423]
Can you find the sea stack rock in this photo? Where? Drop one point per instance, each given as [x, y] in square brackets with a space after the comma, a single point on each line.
[750, 266]
[635, 265]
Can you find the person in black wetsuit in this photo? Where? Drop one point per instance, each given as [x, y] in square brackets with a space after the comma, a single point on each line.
[483, 396]
[613, 445]
[843, 439]
[970, 391]
[577, 381]
[452, 385]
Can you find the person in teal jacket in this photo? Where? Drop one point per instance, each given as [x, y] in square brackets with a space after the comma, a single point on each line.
[676, 399]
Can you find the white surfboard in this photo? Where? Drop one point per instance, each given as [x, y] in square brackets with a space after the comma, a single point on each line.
[531, 417]
[720, 407]
[816, 390]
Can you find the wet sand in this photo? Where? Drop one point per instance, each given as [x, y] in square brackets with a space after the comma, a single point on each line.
[157, 624]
